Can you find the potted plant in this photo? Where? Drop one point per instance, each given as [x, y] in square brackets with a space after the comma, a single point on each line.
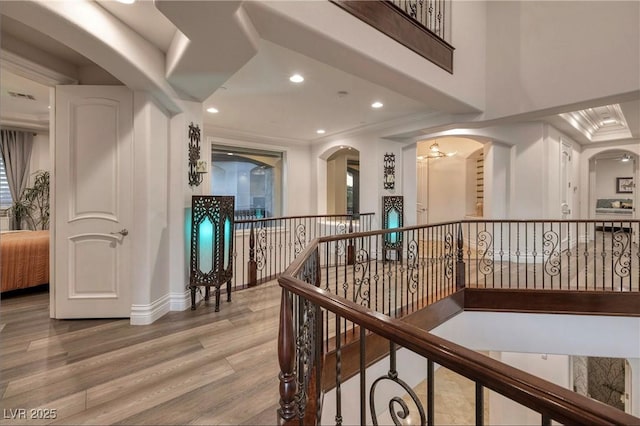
[33, 206]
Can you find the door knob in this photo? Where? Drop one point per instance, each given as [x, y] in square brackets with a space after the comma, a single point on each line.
[124, 232]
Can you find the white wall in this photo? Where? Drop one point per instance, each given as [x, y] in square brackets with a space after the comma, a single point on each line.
[542, 54]
[150, 260]
[447, 189]
[554, 368]
[410, 183]
[40, 155]
[545, 333]
[179, 193]
[497, 184]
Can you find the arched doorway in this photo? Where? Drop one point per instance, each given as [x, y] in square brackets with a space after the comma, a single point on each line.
[343, 181]
[613, 176]
[450, 179]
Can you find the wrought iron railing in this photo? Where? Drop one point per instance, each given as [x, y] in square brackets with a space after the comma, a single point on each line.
[420, 25]
[338, 314]
[264, 247]
[553, 254]
[431, 14]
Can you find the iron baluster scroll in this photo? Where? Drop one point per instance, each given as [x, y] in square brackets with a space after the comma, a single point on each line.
[392, 376]
[211, 263]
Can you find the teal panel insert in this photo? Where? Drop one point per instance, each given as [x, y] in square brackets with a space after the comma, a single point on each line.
[205, 245]
[227, 242]
[393, 221]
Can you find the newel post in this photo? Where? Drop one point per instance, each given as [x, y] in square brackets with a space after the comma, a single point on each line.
[252, 265]
[460, 272]
[286, 359]
[350, 249]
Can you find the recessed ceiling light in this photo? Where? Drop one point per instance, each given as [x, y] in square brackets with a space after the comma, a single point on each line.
[212, 110]
[229, 153]
[377, 104]
[320, 131]
[296, 78]
[126, 1]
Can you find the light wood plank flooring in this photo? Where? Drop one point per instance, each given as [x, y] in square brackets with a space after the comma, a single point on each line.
[191, 367]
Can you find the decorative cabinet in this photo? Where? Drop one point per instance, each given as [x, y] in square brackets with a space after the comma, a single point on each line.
[212, 227]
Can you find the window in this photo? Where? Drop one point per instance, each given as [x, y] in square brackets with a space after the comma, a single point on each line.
[5, 194]
[254, 177]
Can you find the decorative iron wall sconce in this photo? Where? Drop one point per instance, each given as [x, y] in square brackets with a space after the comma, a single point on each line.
[389, 171]
[197, 167]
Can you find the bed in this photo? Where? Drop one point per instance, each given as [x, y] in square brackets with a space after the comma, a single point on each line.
[24, 257]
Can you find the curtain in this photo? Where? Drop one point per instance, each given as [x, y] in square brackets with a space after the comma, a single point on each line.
[16, 153]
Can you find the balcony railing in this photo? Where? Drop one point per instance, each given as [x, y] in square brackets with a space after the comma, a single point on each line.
[264, 247]
[337, 317]
[431, 14]
[420, 25]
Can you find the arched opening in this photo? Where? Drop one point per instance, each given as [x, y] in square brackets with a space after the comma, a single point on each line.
[343, 182]
[450, 179]
[612, 185]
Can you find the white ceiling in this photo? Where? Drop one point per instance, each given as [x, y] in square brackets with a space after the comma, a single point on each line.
[259, 99]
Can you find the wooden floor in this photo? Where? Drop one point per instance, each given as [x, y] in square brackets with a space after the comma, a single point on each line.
[191, 367]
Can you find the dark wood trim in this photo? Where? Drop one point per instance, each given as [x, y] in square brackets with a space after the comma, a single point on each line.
[437, 313]
[553, 301]
[387, 18]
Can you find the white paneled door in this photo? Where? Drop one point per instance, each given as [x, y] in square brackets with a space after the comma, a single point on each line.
[93, 202]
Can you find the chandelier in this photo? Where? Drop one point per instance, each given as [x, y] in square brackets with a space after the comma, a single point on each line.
[434, 152]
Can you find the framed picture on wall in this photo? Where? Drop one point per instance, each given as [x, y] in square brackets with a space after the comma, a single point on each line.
[624, 185]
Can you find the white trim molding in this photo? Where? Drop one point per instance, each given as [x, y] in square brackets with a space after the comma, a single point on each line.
[181, 301]
[147, 314]
[33, 71]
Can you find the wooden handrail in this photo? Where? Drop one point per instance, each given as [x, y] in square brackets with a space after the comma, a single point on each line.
[266, 219]
[458, 222]
[549, 399]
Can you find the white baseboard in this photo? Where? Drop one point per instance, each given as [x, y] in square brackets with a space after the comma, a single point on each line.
[181, 301]
[147, 314]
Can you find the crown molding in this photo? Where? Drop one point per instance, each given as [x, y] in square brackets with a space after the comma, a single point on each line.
[223, 132]
[33, 71]
[25, 122]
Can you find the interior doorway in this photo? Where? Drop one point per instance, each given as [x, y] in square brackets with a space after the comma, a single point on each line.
[450, 179]
[343, 182]
[613, 176]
